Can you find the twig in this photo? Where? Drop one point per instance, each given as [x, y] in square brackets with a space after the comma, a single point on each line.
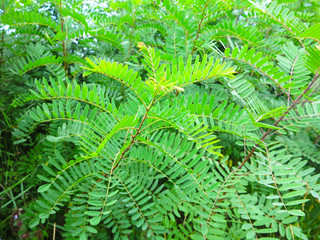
[63, 42]
[54, 231]
[279, 120]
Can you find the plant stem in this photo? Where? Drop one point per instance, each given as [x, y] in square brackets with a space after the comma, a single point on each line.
[279, 120]
[132, 141]
[199, 28]
[64, 47]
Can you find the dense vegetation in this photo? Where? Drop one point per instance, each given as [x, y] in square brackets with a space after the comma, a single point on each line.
[146, 119]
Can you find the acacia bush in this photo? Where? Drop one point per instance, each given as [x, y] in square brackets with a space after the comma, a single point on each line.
[160, 119]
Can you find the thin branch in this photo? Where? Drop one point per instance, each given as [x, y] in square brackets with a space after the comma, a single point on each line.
[198, 30]
[64, 47]
[279, 120]
[133, 139]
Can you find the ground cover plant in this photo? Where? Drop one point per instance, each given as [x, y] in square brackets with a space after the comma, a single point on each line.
[160, 119]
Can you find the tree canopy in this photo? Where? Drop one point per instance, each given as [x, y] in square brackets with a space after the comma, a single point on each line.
[140, 119]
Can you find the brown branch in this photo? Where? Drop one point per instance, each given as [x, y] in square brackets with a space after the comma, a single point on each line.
[199, 28]
[132, 141]
[279, 120]
[239, 15]
[198, 32]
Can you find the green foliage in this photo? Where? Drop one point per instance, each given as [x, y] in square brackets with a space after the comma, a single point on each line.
[159, 120]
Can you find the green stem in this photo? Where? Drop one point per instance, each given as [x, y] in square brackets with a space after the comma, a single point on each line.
[64, 47]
